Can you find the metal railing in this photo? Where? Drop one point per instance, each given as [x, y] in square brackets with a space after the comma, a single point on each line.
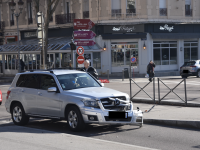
[115, 12]
[65, 18]
[130, 12]
[163, 11]
[171, 90]
[188, 12]
[86, 14]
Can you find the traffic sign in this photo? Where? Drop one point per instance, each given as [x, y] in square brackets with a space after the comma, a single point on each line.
[80, 59]
[84, 43]
[133, 59]
[83, 24]
[80, 50]
[84, 34]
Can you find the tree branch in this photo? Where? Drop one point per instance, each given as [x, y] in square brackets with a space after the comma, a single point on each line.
[37, 4]
[54, 8]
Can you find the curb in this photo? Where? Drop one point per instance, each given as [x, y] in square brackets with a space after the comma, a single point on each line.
[6, 81]
[165, 103]
[178, 123]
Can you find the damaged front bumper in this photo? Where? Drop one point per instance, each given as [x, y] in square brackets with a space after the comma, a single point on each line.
[101, 116]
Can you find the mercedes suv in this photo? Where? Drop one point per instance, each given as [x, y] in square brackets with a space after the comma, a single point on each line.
[190, 68]
[70, 95]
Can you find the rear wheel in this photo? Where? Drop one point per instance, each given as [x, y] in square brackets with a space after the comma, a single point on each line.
[74, 119]
[198, 73]
[18, 115]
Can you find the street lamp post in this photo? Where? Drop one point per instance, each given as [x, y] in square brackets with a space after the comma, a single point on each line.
[12, 5]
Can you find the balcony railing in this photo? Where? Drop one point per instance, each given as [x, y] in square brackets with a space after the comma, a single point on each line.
[86, 14]
[163, 11]
[130, 12]
[30, 20]
[116, 12]
[12, 22]
[188, 12]
[65, 18]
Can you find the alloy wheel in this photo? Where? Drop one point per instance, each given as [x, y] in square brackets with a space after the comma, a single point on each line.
[17, 114]
[72, 119]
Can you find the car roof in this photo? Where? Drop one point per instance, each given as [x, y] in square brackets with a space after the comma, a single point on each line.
[53, 71]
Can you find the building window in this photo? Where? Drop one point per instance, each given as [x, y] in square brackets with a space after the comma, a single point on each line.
[188, 9]
[165, 53]
[12, 23]
[116, 8]
[190, 50]
[30, 18]
[86, 9]
[97, 60]
[130, 9]
[163, 7]
[121, 54]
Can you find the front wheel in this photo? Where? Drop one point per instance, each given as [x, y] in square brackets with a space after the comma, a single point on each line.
[74, 119]
[18, 115]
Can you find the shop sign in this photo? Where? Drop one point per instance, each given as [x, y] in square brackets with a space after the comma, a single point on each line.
[11, 34]
[166, 27]
[124, 29]
[30, 34]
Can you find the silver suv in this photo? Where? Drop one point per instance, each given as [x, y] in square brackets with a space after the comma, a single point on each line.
[190, 68]
[69, 95]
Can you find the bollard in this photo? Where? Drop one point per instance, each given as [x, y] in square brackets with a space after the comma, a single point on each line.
[108, 74]
[122, 74]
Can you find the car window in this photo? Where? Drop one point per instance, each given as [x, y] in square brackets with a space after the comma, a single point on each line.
[47, 81]
[75, 81]
[21, 80]
[31, 81]
[189, 63]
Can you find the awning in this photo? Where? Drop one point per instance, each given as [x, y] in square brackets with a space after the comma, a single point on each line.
[124, 36]
[57, 43]
[175, 35]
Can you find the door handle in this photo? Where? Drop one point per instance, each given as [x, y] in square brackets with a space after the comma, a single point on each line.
[39, 93]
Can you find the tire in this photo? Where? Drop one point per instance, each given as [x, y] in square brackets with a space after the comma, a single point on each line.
[198, 73]
[18, 115]
[74, 119]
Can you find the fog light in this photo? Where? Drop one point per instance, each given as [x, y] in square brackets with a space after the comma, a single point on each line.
[92, 118]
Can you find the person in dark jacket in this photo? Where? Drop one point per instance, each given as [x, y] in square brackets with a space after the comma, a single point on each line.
[90, 69]
[22, 65]
[150, 70]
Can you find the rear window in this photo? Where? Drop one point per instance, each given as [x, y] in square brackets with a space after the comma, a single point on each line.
[28, 81]
[189, 63]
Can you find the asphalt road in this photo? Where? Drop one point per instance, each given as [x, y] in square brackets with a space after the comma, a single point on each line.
[151, 136]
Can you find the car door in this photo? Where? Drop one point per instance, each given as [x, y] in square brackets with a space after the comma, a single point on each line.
[28, 85]
[48, 103]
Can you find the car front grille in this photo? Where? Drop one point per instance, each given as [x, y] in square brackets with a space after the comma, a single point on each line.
[107, 101]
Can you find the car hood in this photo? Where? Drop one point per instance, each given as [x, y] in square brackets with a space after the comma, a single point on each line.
[95, 92]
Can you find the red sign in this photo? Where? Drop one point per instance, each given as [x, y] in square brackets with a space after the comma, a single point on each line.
[84, 34]
[80, 59]
[133, 59]
[84, 43]
[80, 50]
[83, 24]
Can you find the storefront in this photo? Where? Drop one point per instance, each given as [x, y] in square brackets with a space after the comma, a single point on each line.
[122, 43]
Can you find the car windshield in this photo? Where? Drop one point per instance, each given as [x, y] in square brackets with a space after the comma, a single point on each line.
[76, 81]
[189, 63]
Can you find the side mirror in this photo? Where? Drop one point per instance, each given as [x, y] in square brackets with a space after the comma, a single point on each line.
[102, 84]
[52, 89]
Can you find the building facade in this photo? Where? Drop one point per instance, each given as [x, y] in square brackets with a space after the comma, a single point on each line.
[169, 30]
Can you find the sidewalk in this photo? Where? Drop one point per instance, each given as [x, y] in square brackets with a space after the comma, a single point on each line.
[6, 79]
[170, 115]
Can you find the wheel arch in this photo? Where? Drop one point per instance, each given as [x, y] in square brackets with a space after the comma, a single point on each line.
[13, 103]
[70, 105]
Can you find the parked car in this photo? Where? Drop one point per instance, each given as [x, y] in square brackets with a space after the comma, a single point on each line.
[71, 95]
[190, 68]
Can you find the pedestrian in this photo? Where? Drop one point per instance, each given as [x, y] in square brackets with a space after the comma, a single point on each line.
[150, 70]
[90, 69]
[22, 65]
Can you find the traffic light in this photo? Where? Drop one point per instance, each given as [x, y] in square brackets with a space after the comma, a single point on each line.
[73, 46]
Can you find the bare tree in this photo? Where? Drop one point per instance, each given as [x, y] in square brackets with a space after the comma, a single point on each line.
[51, 7]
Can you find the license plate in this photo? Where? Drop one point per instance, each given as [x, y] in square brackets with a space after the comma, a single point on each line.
[185, 71]
[117, 115]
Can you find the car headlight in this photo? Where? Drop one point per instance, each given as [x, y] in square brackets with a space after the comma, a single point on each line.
[90, 103]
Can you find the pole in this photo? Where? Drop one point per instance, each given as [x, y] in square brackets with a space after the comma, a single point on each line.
[43, 41]
[108, 74]
[19, 65]
[122, 74]
[185, 92]
[158, 90]
[130, 79]
[72, 59]
[154, 90]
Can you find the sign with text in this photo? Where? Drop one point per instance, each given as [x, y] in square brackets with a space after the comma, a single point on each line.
[123, 28]
[83, 24]
[84, 43]
[84, 34]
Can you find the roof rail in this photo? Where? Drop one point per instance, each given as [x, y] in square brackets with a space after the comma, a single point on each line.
[36, 70]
